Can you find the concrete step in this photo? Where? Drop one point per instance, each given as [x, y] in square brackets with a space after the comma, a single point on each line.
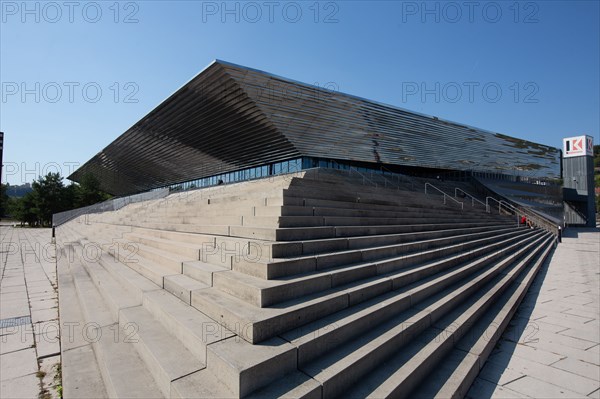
[263, 293]
[314, 233]
[182, 286]
[339, 211]
[122, 369]
[202, 220]
[456, 373]
[262, 323]
[192, 328]
[135, 283]
[329, 332]
[164, 258]
[350, 193]
[165, 357]
[199, 212]
[123, 372]
[404, 371]
[362, 276]
[115, 296]
[339, 370]
[189, 238]
[201, 271]
[353, 231]
[201, 384]
[80, 374]
[356, 203]
[222, 230]
[279, 268]
[295, 385]
[316, 221]
[80, 371]
[243, 368]
[151, 270]
[186, 250]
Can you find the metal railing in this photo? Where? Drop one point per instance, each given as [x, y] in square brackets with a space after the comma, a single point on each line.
[462, 205]
[107, 206]
[518, 212]
[473, 199]
[365, 178]
[399, 176]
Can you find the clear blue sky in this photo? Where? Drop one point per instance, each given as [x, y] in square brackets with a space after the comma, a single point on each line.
[543, 56]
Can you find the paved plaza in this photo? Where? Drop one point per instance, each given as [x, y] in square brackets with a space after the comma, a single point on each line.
[29, 327]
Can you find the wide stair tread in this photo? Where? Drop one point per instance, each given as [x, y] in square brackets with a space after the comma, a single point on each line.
[123, 372]
[357, 265]
[354, 359]
[284, 316]
[454, 376]
[403, 372]
[166, 357]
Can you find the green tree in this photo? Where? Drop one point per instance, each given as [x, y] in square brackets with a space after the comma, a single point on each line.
[24, 210]
[48, 197]
[89, 192]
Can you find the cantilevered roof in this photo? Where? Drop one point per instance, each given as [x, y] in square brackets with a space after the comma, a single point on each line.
[230, 117]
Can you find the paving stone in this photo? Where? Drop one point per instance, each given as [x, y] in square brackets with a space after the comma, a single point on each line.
[24, 387]
[484, 389]
[540, 389]
[13, 308]
[15, 338]
[47, 338]
[541, 338]
[18, 364]
[499, 374]
[533, 354]
[561, 319]
[44, 314]
[579, 367]
[591, 334]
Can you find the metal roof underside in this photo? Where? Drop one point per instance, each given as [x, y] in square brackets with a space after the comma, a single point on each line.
[230, 117]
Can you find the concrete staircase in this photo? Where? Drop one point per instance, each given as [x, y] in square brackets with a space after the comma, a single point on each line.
[317, 284]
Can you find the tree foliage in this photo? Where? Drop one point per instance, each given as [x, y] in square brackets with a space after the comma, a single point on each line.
[89, 192]
[50, 196]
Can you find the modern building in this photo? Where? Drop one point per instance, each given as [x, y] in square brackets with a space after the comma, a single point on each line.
[578, 190]
[232, 123]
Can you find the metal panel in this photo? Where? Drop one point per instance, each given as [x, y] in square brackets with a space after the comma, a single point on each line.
[231, 117]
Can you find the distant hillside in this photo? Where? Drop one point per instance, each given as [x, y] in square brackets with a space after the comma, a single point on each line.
[18, 191]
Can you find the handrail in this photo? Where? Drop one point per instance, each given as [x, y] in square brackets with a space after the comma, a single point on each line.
[539, 221]
[473, 199]
[399, 176]
[500, 203]
[113, 204]
[487, 207]
[525, 213]
[462, 205]
[386, 181]
[353, 169]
